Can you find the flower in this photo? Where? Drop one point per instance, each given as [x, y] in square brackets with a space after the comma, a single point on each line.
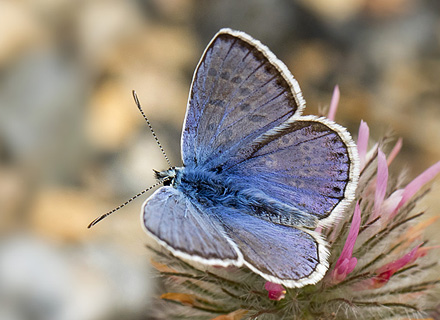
[334, 104]
[346, 262]
[234, 315]
[380, 264]
[395, 151]
[362, 143]
[401, 196]
[415, 185]
[384, 273]
[275, 291]
[381, 183]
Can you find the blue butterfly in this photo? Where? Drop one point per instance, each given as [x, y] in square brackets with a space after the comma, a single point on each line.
[258, 177]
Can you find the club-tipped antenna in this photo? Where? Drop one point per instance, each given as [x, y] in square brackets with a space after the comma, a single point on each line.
[136, 100]
[105, 215]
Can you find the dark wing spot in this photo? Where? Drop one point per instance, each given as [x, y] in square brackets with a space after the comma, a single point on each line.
[337, 189]
[225, 75]
[245, 91]
[217, 102]
[340, 155]
[245, 107]
[256, 118]
[236, 79]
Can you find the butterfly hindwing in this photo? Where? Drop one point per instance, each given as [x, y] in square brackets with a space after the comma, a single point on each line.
[219, 235]
[281, 254]
[239, 91]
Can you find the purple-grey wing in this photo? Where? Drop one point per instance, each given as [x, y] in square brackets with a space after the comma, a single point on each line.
[239, 91]
[290, 256]
[189, 233]
[308, 163]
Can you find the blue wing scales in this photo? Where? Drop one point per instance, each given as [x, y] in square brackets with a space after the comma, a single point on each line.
[281, 254]
[243, 124]
[239, 91]
[225, 236]
[190, 233]
[310, 164]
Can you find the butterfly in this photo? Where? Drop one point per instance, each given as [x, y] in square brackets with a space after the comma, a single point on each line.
[258, 177]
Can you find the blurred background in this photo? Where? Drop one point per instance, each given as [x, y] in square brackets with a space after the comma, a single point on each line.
[73, 144]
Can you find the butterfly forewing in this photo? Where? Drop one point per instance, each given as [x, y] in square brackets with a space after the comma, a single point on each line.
[239, 91]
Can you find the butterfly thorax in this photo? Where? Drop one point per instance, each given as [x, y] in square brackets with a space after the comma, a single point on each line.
[211, 189]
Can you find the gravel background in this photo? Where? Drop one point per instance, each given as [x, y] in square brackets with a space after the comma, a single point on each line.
[73, 145]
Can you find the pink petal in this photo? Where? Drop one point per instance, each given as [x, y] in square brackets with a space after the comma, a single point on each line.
[384, 273]
[352, 234]
[390, 204]
[345, 267]
[342, 266]
[339, 273]
[346, 263]
[275, 291]
[395, 151]
[351, 265]
[334, 103]
[415, 185]
[381, 183]
[362, 144]
[398, 264]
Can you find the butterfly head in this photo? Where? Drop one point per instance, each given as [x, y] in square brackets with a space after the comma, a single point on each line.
[169, 177]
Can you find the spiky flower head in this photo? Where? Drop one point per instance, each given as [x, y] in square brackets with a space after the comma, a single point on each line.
[381, 265]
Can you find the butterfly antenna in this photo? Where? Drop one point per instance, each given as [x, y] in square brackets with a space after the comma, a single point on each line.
[136, 100]
[105, 215]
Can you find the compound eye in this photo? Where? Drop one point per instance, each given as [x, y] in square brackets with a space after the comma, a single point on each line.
[167, 182]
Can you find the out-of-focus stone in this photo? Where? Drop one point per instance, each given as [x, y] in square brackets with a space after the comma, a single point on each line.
[41, 280]
[387, 8]
[12, 197]
[311, 61]
[335, 10]
[62, 214]
[112, 116]
[98, 38]
[20, 30]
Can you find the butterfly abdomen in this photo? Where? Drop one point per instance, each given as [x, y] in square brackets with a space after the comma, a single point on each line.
[212, 190]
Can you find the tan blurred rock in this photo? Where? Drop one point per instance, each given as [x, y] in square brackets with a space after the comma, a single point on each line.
[177, 10]
[386, 8]
[335, 10]
[160, 58]
[311, 61]
[62, 214]
[12, 197]
[103, 27]
[112, 116]
[20, 30]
